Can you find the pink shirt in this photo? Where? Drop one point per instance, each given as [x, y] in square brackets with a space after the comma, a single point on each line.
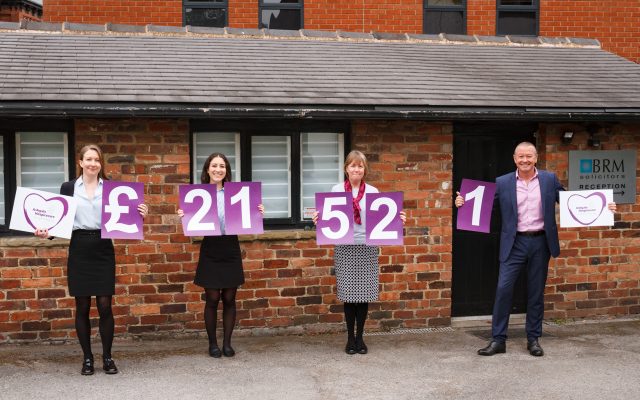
[529, 202]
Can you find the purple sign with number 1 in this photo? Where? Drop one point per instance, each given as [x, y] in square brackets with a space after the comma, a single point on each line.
[241, 200]
[475, 213]
[120, 216]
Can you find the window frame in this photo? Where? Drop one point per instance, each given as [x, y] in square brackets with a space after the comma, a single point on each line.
[463, 7]
[293, 129]
[8, 130]
[280, 6]
[534, 7]
[205, 4]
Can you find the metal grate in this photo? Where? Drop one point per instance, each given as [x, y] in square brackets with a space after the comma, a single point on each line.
[403, 331]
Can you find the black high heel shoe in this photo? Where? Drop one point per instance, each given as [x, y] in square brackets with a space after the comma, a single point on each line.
[109, 366]
[361, 348]
[87, 366]
[228, 351]
[350, 348]
[214, 351]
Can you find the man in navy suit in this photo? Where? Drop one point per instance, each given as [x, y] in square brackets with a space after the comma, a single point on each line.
[528, 239]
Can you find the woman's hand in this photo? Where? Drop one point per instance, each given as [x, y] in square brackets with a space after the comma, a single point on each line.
[403, 217]
[261, 208]
[316, 214]
[612, 206]
[42, 233]
[180, 213]
[143, 210]
[459, 200]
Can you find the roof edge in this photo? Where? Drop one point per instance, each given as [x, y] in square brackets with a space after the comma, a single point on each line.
[109, 29]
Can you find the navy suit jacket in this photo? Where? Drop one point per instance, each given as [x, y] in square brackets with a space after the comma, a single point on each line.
[505, 197]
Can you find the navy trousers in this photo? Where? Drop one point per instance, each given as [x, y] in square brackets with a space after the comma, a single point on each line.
[530, 253]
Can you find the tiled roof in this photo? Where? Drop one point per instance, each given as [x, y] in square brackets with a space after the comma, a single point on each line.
[52, 63]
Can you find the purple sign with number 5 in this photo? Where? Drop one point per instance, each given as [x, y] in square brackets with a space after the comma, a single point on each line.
[335, 216]
[475, 213]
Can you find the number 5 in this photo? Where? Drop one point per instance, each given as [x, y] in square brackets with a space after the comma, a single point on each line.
[328, 213]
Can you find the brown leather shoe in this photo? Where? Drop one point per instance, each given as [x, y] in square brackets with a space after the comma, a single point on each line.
[493, 348]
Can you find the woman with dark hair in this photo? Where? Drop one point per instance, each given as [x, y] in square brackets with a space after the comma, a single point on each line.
[91, 263]
[356, 265]
[219, 269]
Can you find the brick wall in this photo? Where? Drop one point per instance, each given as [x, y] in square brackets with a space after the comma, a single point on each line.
[615, 23]
[290, 286]
[598, 273]
[16, 14]
[136, 12]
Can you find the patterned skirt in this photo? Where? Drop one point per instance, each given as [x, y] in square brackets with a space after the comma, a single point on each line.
[357, 277]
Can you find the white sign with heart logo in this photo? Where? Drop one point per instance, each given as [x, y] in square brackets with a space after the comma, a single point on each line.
[585, 208]
[36, 209]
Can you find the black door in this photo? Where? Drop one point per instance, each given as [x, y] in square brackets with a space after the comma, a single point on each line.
[482, 152]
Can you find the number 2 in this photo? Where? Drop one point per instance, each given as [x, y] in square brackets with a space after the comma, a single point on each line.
[195, 223]
[378, 232]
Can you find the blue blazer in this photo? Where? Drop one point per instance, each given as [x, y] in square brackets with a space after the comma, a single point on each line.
[505, 198]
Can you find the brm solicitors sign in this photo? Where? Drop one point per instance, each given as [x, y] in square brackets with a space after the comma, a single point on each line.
[604, 169]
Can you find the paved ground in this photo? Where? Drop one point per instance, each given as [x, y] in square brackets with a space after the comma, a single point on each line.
[582, 361]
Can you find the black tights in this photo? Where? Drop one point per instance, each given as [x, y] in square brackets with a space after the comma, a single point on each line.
[355, 314]
[228, 313]
[83, 325]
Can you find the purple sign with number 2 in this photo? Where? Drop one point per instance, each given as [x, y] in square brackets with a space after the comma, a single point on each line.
[475, 213]
[384, 226]
[200, 208]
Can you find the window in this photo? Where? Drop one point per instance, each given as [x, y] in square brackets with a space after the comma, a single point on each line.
[210, 13]
[35, 157]
[293, 162]
[281, 14]
[445, 16]
[517, 17]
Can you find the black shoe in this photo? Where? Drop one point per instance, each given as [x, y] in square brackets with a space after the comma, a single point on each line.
[493, 348]
[109, 366]
[214, 351]
[534, 348]
[350, 348]
[361, 348]
[228, 351]
[87, 366]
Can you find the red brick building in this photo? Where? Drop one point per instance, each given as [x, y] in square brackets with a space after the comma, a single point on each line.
[616, 24]
[427, 110]
[17, 10]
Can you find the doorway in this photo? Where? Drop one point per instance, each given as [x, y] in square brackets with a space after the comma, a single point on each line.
[482, 152]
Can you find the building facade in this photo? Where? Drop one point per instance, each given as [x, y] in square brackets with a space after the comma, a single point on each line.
[616, 24]
[17, 10]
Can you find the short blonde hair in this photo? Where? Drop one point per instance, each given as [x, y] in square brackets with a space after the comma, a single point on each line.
[356, 156]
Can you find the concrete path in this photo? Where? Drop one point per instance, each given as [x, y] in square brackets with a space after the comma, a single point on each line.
[582, 361]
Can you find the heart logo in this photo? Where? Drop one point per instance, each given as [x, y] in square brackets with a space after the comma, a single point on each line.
[42, 213]
[585, 210]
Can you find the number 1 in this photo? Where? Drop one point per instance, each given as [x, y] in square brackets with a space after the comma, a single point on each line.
[477, 194]
[243, 197]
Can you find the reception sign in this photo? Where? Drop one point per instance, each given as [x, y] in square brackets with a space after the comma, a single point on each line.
[120, 216]
[36, 209]
[585, 208]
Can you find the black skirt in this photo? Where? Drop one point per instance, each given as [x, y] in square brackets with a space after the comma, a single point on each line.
[91, 266]
[220, 263]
